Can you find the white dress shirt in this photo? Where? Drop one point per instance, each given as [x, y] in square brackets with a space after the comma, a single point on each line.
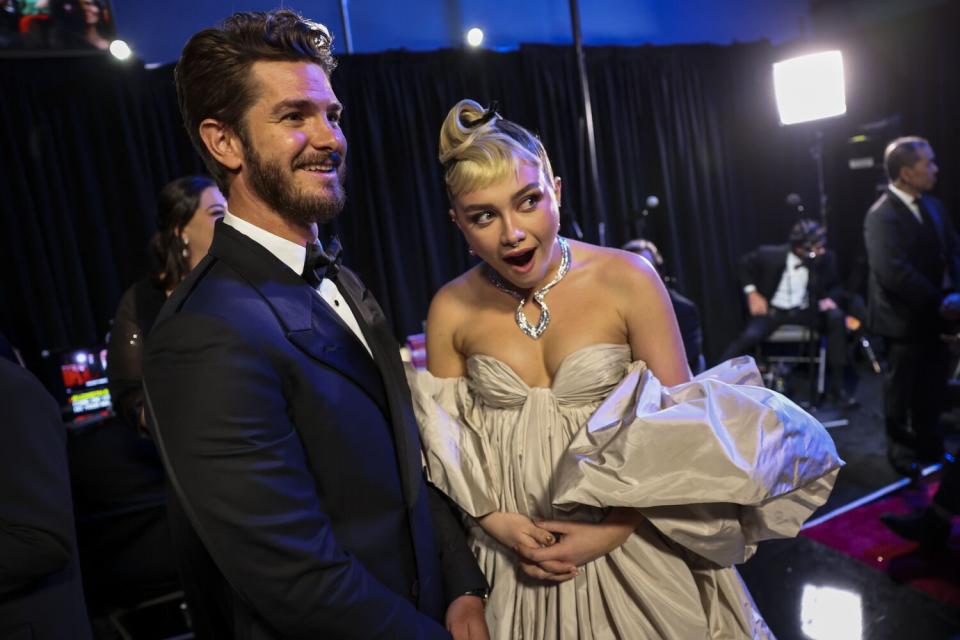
[909, 200]
[295, 257]
[792, 290]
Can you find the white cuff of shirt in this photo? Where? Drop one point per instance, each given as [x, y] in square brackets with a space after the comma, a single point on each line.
[747, 290]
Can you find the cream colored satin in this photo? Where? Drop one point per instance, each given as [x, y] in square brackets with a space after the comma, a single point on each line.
[715, 465]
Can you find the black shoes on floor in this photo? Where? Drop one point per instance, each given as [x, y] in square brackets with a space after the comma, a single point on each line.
[927, 527]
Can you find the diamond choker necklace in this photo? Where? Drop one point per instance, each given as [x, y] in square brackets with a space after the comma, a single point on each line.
[533, 331]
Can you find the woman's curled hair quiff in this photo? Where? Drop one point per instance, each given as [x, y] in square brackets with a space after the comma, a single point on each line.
[213, 73]
[479, 148]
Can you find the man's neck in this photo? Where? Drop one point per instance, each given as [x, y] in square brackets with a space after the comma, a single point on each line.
[906, 188]
[247, 205]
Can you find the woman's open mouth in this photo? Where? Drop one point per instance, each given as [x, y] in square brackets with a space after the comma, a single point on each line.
[521, 261]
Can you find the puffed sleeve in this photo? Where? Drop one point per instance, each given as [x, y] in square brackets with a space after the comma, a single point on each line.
[456, 450]
[717, 464]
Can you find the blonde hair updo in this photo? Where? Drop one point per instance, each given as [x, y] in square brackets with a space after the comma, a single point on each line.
[479, 148]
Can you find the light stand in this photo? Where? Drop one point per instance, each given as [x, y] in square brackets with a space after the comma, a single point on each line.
[810, 88]
[816, 152]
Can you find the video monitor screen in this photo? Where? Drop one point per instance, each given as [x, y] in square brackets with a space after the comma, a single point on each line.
[84, 376]
[73, 25]
[77, 378]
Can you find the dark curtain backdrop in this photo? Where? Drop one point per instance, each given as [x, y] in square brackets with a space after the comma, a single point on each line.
[87, 143]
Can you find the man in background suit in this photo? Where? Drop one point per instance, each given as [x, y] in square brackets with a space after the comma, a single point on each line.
[796, 283]
[911, 248]
[41, 593]
[688, 316]
[278, 399]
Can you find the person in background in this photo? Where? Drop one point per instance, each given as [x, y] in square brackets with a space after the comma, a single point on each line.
[914, 258]
[187, 209]
[95, 21]
[796, 283]
[688, 316]
[41, 593]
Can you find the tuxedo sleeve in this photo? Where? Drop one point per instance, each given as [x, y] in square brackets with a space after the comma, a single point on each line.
[830, 287]
[892, 266]
[220, 418]
[458, 564]
[749, 269]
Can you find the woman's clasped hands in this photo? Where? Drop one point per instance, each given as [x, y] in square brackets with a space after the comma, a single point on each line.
[553, 550]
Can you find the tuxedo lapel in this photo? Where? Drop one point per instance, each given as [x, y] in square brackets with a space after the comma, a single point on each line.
[309, 323]
[908, 221]
[375, 330]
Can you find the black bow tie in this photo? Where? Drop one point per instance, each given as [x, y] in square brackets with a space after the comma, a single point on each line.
[322, 264]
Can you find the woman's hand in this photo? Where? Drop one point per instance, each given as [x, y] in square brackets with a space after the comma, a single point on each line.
[583, 542]
[518, 532]
[513, 530]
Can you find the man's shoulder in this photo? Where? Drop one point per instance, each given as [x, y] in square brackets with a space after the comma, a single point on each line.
[215, 294]
[30, 409]
[21, 386]
[883, 205]
[209, 281]
[771, 251]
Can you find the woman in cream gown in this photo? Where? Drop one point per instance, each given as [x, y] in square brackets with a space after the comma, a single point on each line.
[608, 494]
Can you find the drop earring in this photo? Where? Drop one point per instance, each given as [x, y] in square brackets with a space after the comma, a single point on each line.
[471, 251]
[186, 250]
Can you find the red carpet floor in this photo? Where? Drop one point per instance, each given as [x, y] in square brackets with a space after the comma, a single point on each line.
[860, 535]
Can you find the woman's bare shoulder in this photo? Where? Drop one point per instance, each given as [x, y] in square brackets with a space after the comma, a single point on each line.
[461, 293]
[619, 270]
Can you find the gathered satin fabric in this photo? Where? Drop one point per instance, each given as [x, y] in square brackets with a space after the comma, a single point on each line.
[715, 465]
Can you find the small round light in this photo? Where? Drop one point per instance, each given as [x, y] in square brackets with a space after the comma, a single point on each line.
[120, 50]
[475, 37]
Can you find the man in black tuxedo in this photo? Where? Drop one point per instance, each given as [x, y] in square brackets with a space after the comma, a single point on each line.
[41, 593]
[795, 283]
[278, 399]
[912, 251]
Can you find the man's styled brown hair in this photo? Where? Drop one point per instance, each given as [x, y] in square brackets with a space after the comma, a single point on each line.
[213, 73]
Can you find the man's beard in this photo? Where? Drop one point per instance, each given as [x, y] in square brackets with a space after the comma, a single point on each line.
[277, 189]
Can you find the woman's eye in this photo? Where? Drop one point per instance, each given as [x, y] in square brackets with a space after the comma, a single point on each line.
[531, 201]
[481, 218]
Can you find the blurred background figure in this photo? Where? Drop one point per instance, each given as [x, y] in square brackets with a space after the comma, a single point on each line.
[125, 524]
[796, 283]
[41, 593]
[187, 209]
[913, 251]
[688, 316]
[95, 22]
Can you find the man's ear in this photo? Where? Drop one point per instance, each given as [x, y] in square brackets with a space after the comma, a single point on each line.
[222, 143]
